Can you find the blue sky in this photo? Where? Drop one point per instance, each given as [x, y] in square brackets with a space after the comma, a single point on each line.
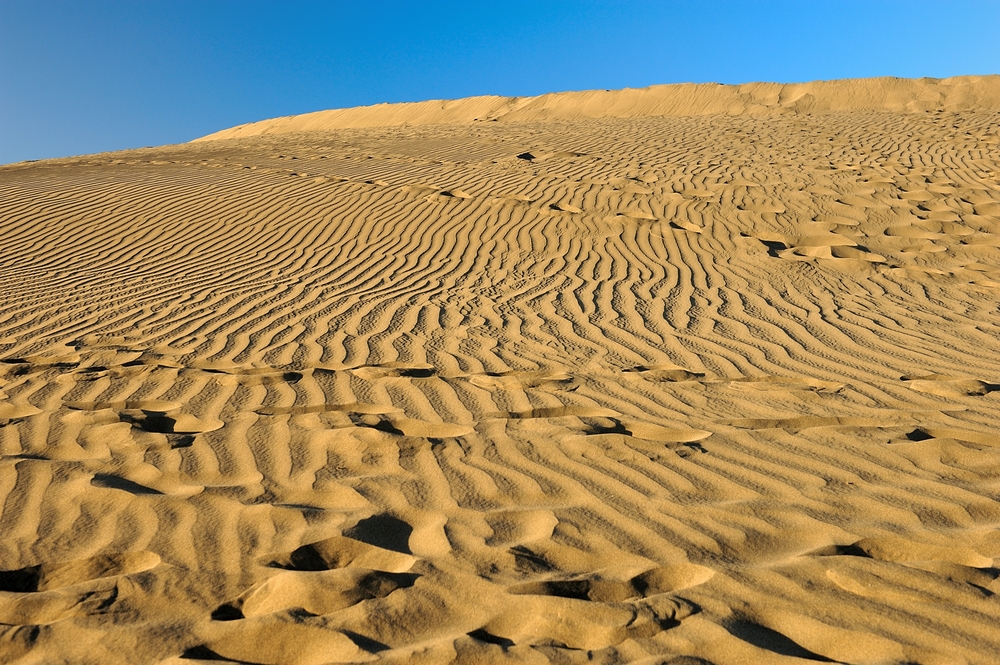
[83, 77]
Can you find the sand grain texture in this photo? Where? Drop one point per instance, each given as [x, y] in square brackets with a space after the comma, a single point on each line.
[628, 377]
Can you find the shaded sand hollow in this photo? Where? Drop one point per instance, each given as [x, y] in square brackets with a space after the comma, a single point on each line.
[688, 375]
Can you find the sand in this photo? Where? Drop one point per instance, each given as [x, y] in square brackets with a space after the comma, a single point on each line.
[693, 374]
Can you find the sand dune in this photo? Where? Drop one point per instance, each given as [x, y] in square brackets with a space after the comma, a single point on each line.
[684, 375]
[960, 93]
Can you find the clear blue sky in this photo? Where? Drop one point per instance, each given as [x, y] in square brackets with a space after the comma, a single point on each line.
[82, 77]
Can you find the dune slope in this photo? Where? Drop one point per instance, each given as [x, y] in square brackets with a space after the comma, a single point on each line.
[711, 388]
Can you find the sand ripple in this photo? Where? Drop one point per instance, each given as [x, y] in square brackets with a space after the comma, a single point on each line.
[690, 389]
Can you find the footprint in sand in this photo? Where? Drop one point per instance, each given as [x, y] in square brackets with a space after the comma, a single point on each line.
[671, 373]
[597, 426]
[829, 248]
[581, 624]
[513, 380]
[353, 408]
[564, 207]
[52, 592]
[152, 416]
[950, 453]
[153, 406]
[49, 576]
[593, 612]
[342, 552]
[409, 427]
[316, 592]
[226, 374]
[949, 386]
[394, 371]
[115, 482]
[830, 253]
[44, 361]
[896, 549]
[634, 217]
[556, 412]
[181, 423]
[799, 423]
[786, 383]
[989, 440]
[684, 225]
[380, 542]
[446, 194]
[662, 579]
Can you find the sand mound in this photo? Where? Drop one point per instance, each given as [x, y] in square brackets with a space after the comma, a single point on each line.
[960, 93]
[676, 388]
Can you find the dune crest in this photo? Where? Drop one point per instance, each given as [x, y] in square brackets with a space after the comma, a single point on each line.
[959, 93]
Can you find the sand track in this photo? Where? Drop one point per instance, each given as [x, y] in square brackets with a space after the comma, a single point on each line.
[651, 389]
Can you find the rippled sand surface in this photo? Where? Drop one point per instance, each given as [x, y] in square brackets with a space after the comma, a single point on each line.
[715, 387]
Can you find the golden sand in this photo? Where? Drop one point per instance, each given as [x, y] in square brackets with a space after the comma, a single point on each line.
[689, 374]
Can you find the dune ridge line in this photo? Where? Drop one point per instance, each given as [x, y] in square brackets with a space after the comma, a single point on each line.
[684, 99]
